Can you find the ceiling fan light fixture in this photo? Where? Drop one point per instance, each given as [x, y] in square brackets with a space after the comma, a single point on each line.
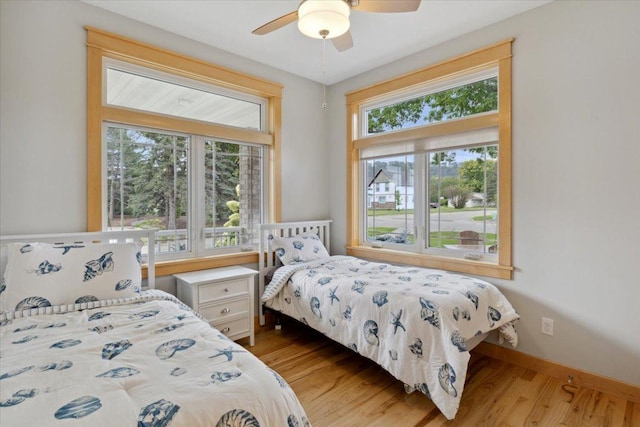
[323, 18]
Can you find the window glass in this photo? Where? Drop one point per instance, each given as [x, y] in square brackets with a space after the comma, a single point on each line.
[463, 195]
[233, 194]
[461, 101]
[147, 184]
[159, 95]
[389, 200]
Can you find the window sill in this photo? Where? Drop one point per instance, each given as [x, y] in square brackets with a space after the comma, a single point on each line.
[478, 268]
[167, 268]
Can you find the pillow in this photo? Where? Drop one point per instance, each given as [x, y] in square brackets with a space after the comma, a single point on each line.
[42, 274]
[301, 248]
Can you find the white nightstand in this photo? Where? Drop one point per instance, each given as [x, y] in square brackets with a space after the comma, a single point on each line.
[223, 296]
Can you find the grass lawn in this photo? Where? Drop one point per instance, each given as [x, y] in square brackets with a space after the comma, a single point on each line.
[483, 217]
[377, 231]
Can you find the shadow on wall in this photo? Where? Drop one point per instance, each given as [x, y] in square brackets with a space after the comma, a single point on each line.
[573, 344]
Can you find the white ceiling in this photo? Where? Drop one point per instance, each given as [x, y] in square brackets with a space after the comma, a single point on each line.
[379, 38]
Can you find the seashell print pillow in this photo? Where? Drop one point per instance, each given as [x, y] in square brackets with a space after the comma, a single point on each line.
[42, 274]
[304, 247]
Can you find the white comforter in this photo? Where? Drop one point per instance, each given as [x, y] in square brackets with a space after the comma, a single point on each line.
[149, 360]
[412, 321]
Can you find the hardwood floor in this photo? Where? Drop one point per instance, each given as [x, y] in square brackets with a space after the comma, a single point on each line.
[339, 388]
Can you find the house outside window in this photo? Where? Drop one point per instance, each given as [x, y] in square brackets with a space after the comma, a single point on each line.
[441, 138]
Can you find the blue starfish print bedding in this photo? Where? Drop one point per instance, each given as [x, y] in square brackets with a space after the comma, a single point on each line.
[412, 321]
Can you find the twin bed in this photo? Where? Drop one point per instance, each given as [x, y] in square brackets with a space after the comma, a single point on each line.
[418, 324]
[82, 344]
[80, 339]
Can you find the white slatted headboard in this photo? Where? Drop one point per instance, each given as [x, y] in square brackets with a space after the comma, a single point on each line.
[89, 237]
[269, 260]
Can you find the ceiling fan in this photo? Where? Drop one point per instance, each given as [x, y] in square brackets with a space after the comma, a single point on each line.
[329, 19]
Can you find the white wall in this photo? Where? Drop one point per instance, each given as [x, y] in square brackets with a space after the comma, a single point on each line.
[43, 116]
[576, 177]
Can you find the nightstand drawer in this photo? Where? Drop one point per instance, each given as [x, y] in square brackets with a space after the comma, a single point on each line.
[225, 309]
[223, 296]
[228, 288]
[233, 327]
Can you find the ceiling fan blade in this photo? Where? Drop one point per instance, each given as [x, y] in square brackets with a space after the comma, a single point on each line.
[390, 6]
[276, 24]
[343, 42]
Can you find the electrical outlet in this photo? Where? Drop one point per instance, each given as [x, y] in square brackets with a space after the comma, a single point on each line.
[547, 326]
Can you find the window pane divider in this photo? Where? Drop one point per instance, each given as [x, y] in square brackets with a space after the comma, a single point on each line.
[480, 121]
[158, 121]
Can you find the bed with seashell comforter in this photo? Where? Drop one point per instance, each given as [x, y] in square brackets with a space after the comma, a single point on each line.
[132, 357]
[414, 322]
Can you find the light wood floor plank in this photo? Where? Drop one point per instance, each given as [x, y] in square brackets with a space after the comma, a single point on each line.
[525, 402]
[632, 415]
[606, 411]
[339, 388]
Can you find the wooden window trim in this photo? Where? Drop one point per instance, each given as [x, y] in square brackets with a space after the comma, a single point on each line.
[498, 56]
[102, 44]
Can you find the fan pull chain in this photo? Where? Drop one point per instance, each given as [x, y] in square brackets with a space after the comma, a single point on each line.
[324, 69]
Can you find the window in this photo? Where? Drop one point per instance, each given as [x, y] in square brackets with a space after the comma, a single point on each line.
[148, 175]
[391, 222]
[148, 184]
[439, 139]
[232, 195]
[434, 104]
[183, 146]
[139, 88]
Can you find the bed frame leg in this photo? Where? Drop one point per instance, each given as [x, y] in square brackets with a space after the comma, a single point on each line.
[278, 323]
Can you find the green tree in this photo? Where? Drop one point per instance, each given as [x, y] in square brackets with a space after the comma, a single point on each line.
[233, 221]
[160, 182]
[492, 183]
[120, 153]
[478, 97]
[450, 188]
[394, 117]
[234, 207]
[222, 165]
[443, 158]
[472, 176]
[457, 195]
[147, 175]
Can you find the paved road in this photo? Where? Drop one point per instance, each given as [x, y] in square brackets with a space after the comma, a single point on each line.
[449, 221]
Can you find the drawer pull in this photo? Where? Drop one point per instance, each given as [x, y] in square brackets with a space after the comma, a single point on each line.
[226, 289]
[225, 330]
[225, 310]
